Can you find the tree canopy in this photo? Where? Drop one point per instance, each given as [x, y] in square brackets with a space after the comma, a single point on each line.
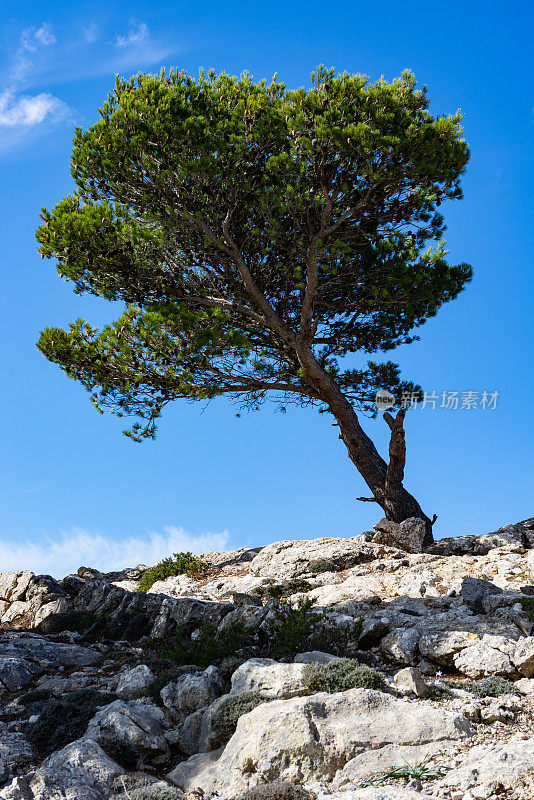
[256, 235]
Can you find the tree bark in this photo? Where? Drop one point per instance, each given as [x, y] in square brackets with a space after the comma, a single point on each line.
[385, 480]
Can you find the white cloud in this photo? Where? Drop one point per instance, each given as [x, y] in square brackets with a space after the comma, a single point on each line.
[25, 111]
[90, 32]
[21, 114]
[63, 554]
[31, 40]
[44, 35]
[134, 36]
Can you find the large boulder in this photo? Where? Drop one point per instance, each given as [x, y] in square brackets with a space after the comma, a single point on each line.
[191, 692]
[15, 753]
[269, 678]
[79, 771]
[315, 737]
[408, 535]
[490, 765]
[134, 682]
[135, 727]
[524, 657]
[491, 655]
[288, 559]
[474, 590]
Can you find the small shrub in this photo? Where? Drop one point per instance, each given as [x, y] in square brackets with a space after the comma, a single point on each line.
[485, 687]
[285, 589]
[298, 628]
[528, 606]
[61, 721]
[278, 790]
[210, 647]
[130, 787]
[178, 564]
[406, 772]
[338, 676]
[324, 565]
[291, 628]
[225, 721]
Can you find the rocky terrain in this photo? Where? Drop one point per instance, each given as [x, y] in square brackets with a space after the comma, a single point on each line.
[349, 669]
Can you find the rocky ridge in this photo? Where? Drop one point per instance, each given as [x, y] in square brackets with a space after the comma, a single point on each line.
[212, 686]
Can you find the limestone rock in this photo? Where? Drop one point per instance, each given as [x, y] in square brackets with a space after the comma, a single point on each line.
[315, 737]
[288, 559]
[315, 657]
[442, 646]
[407, 535]
[401, 644]
[524, 657]
[138, 724]
[481, 660]
[525, 685]
[15, 753]
[270, 678]
[410, 681]
[134, 681]
[487, 765]
[474, 590]
[191, 692]
[80, 771]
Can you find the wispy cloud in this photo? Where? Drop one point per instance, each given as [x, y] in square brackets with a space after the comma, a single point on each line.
[22, 113]
[91, 32]
[31, 40]
[63, 554]
[136, 35]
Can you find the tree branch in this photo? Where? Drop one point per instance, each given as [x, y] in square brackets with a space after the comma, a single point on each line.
[397, 452]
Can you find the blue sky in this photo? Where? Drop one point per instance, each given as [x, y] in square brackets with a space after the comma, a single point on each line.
[73, 489]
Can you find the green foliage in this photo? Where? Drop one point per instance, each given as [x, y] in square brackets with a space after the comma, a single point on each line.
[228, 216]
[338, 676]
[284, 589]
[298, 628]
[324, 565]
[61, 721]
[422, 770]
[528, 606]
[225, 721]
[178, 564]
[130, 787]
[485, 687]
[291, 628]
[211, 646]
[278, 790]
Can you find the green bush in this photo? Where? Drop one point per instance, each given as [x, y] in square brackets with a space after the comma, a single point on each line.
[278, 790]
[225, 721]
[528, 606]
[298, 628]
[324, 565]
[210, 647]
[284, 589]
[178, 564]
[61, 721]
[485, 687]
[338, 676]
[130, 787]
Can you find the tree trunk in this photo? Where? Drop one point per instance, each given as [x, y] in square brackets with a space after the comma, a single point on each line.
[383, 479]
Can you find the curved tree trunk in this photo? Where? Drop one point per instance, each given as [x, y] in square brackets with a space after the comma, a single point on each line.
[385, 480]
